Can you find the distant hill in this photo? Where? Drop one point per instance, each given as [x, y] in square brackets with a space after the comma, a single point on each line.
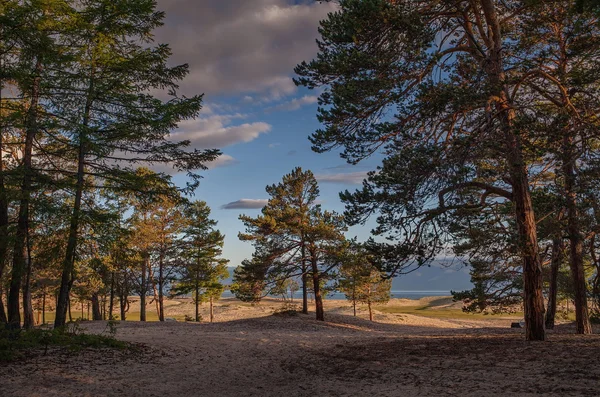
[443, 275]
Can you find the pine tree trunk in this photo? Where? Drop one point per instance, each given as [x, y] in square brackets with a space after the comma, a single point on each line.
[370, 310]
[532, 268]
[69, 309]
[524, 213]
[211, 309]
[317, 289]
[19, 250]
[197, 300]
[582, 319]
[44, 306]
[68, 267]
[96, 313]
[143, 288]
[3, 318]
[28, 320]
[123, 306]
[3, 220]
[161, 311]
[304, 282]
[111, 305]
[557, 251]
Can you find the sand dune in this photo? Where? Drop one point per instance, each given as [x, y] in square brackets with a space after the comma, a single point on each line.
[251, 352]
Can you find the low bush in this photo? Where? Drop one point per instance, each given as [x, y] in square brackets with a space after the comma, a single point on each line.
[15, 344]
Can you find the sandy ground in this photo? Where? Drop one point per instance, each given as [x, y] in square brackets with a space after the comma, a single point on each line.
[251, 352]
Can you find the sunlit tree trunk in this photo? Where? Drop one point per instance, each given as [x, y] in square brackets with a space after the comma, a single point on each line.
[304, 281]
[143, 287]
[44, 305]
[197, 297]
[317, 288]
[519, 179]
[161, 281]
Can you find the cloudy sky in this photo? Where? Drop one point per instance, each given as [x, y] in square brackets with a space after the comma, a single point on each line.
[241, 56]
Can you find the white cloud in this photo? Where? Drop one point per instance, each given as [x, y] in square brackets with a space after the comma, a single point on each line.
[347, 178]
[222, 161]
[245, 204]
[215, 131]
[294, 104]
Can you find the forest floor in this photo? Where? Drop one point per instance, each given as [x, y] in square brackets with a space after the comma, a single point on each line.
[251, 352]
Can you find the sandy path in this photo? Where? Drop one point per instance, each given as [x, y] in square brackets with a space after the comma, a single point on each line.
[297, 356]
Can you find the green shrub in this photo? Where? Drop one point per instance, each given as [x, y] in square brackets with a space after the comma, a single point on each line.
[15, 344]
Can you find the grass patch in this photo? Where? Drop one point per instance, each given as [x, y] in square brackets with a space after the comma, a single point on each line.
[18, 344]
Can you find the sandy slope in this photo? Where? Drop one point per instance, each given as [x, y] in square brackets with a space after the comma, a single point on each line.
[253, 353]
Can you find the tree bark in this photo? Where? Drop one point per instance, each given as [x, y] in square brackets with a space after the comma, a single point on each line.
[123, 306]
[111, 305]
[19, 249]
[3, 216]
[527, 239]
[96, 313]
[317, 289]
[304, 282]
[44, 306]
[3, 318]
[161, 281]
[143, 287]
[557, 252]
[3, 224]
[524, 213]
[69, 309]
[582, 319]
[211, 309]
[197, 299]
[154, 291]
[28, 320]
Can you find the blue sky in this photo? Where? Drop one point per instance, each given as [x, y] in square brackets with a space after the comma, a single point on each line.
[241, 56]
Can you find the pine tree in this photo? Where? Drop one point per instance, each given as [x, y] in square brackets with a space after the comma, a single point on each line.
[360, 281]
[435, 86]
[293, 237]
[116, 122]
[203, 268]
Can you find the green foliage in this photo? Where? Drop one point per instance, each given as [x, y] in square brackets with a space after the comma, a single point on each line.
[202, 245]
[288, 309]
[360, 281]
[19, 344]
[249, 281]
[292, 236]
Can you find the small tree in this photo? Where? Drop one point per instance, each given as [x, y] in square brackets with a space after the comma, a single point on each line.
[361, 282]
[203, 270]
